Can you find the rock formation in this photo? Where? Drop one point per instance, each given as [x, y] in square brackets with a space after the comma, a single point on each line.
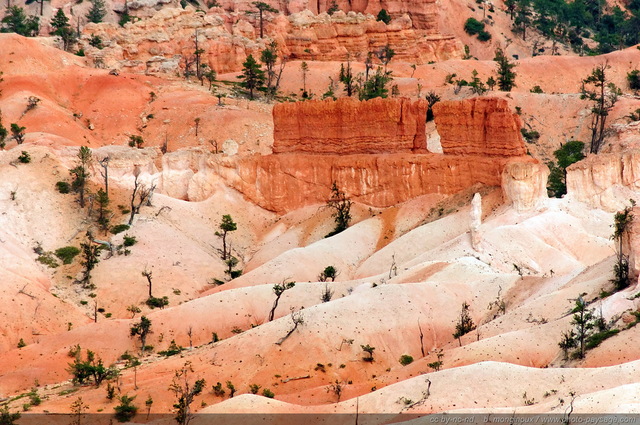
[305, 164]
[476, 221]
[524, 184]
[162, 43]
[348, 126]
[336, 37]
[605, 181]
[479, 126]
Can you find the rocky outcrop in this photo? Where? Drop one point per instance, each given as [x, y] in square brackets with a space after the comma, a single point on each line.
[479, 126]
[605, 181]
[524, 184]
[348, 126]
[285, 182]
[374, 150]
[341, 35]
[163, 42]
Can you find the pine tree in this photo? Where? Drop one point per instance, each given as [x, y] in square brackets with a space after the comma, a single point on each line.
[61, 28]
[15, 20]
[604, 94]
[252, 76]
[97, 12]
[506, 75]
[263, 7]
[465, 323]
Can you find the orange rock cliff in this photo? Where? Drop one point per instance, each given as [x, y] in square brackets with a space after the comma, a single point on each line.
[377, 168]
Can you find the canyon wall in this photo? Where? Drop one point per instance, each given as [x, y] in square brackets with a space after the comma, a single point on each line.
[479, 126]
[606, 181]
[318, 143]
[309, 37]
[161, 43]
[349, 126]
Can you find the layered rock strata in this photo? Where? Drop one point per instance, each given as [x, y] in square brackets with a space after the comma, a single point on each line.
[164, 42]
[348, 126]
[479, 126]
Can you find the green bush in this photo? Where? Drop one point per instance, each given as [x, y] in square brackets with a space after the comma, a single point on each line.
[63, 187]
[472, 26]
[633, 78]
[405, 359]
[119, 228]
[268, 393]
[154, 302]
[125, 411]
[67, 253]
[384, 16]
[172, 350]
[47, 259]
[484, 36]
[596, 339]
[129, 240]
[24, 157]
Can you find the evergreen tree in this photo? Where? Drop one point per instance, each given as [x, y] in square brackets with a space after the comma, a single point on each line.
[376, 85]
[384, 16]
[465, 323]
[263, 7]
[568, 154]
[80, 173]
[15, 20]
[97, 12]
[252, 76]
[61, 28]
[506, 75]
[604, 94]
[347, 78]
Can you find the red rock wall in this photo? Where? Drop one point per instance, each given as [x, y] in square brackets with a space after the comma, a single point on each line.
[348, 126]
[310, 38]
[285, 182]
[479, 126]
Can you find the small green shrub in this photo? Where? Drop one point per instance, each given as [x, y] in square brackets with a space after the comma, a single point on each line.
[484, 36]
[47, 259]
[268, 393]
[129, 240]
[21, 343]
[405, 359]
[172, 350]
[126, 410]
[63, 187]
[119, 228]
[24, 157]
[536, 89]
[67, 254]
[218, 390]
[254, 388]
[154, 302]
[472, 26]
[597, 338]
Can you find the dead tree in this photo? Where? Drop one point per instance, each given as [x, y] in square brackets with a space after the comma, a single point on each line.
[297, 319]
[104, 163]
[139, 195]
[147, 273]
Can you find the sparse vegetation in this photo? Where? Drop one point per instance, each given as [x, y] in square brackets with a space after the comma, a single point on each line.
[278, 290]
[405, 359]
[369, 353]
[67, 254]
[465, 323]
[340, 205]
[622, 221]
[185, 392]
[126, 410]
